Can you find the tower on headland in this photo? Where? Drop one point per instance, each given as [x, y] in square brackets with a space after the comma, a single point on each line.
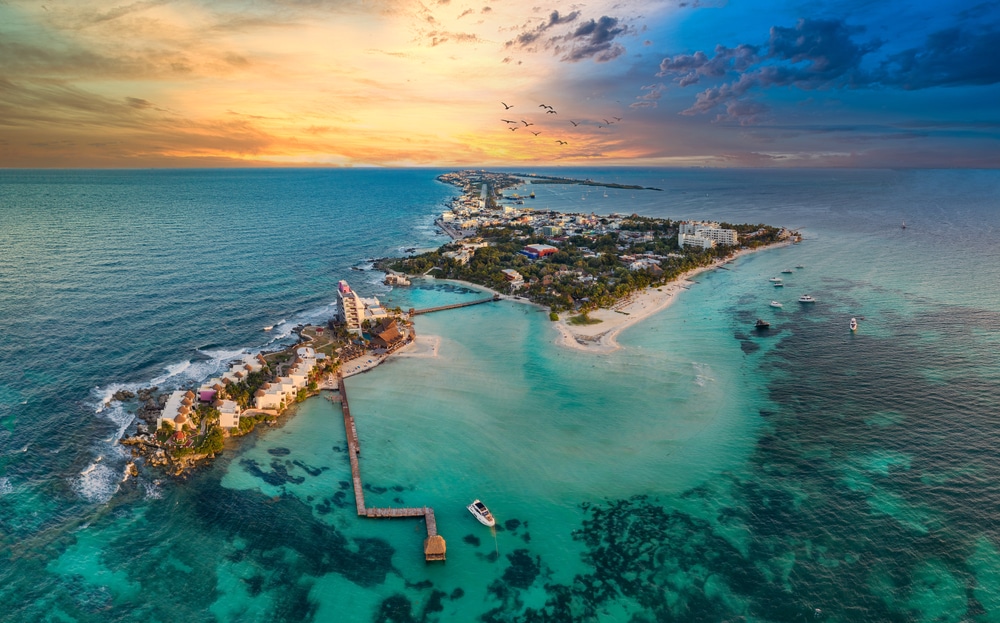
[351, 309]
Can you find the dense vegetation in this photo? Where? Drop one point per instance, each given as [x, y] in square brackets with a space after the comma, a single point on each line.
[587, 271]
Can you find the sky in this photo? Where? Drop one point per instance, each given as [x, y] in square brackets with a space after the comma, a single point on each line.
[710, 83]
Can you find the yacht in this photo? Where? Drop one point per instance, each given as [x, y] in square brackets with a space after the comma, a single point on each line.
[788, 271]
[775, 279]
[762, 324]
[482, 513]
[805, 298]
[854, 324]
[776, 304]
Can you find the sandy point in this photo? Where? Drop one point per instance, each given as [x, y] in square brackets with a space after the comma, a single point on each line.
[601, 337]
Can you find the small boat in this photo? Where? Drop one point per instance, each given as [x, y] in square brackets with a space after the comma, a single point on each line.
[800, 266]
[775, 279]
[854, 324]
[269, 327]
[805, 298]
[904, 224]
[762, 324]
[788, 271]
[482, 513]
[776, 304]
[779, 284]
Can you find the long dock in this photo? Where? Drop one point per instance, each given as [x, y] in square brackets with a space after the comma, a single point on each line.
[434, 545]
[429, 310]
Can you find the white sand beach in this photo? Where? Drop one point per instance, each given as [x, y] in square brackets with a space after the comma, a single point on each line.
[601, 337]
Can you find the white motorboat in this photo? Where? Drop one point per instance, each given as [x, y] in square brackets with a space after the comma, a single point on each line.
[775, 279]
[779, 284]
[805, 298]
[854, 324]
[776, 304]
[788, 271]
[482, 513]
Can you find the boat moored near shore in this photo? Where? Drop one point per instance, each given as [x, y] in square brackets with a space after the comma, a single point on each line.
[482, 513]
[806, 298]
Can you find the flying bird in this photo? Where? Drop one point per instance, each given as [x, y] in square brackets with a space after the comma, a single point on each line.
[617, 118]
[506, 106]
[607, 122]
[562, 142]
[551, 112]
[508, 121]
[526, 124]
[512, 129]
[535, 133]
[574, 123]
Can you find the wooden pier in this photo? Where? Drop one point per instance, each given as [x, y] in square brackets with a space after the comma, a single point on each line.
[434, 545]
[417, 312]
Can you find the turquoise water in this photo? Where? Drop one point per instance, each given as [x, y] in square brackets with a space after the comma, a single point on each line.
[704, 471]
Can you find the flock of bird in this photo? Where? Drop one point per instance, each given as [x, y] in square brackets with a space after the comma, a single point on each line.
[514, 125]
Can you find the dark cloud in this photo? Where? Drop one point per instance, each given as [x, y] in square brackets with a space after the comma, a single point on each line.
[950, 57]
[595, 39]
[832, 54]
[743, 111]
[821, 51]
[528, 37]
[688, 69]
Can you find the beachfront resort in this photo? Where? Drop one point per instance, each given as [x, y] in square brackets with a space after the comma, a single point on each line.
[190, 424]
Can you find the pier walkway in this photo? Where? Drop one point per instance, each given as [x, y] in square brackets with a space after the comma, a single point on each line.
[434, 544]
[429, 310]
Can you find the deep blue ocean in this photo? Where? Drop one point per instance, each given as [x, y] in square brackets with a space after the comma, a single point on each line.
[704, 472]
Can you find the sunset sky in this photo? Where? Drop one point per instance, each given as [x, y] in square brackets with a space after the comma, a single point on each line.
[194, 83]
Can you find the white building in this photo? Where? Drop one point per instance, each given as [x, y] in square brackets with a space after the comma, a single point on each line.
[229, 413]
[712, 231]
[269, 397]
[514, 277]
[178, 410]
[693, 240]
[351, 309]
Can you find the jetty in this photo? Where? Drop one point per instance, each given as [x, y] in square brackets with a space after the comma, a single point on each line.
[430, 310]
[434, 545]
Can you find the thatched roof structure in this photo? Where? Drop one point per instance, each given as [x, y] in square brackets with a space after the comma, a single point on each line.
[434, 547]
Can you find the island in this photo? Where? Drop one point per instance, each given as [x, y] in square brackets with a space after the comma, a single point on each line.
[593, 274]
